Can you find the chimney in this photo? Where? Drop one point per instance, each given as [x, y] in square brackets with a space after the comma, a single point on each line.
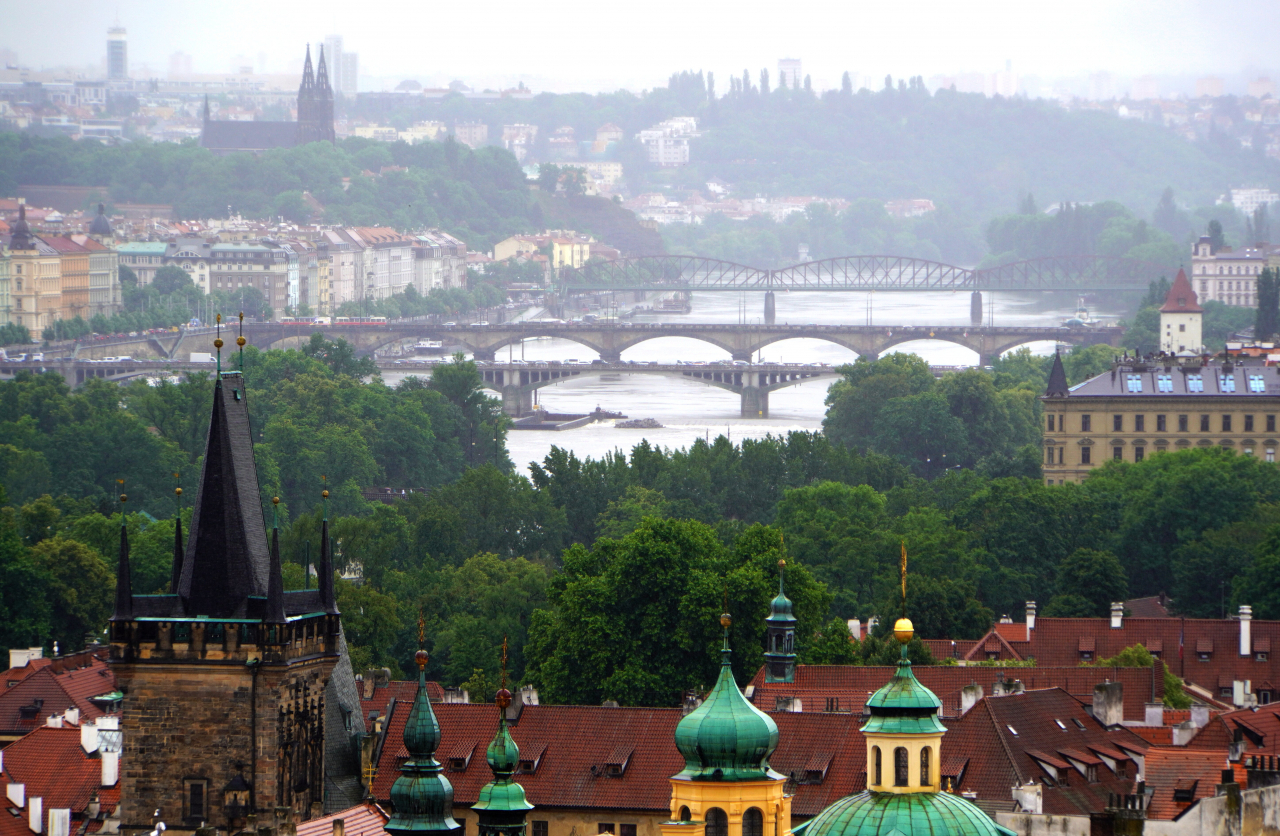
[89, 738]
[1199, 714]
[855, 628]
[72, 716]
[1030, 798]
[110, 768]
[1183, 732]
[969, 697]
[17, 795]
[60, 822]
[1108, 703]
[1031, 618]
[456, 696]
[339, 827]
[1246, 630]
[35, 815]
[1117, 615]
[53, 721]
[1154, 715]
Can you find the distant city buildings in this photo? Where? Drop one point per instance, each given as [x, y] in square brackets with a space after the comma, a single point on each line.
[117, 54]
[471, 134]
[668, 141]
[790, 73]
[909, 208]
[1230, 275]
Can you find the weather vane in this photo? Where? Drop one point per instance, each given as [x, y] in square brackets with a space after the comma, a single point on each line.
[904, 578]
[217, 342]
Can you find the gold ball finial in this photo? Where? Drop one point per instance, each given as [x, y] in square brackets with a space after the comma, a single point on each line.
[782, 564]
[421, 658]
[502, 698]
[725, 620]
[903, 630]
[240, 341]
[124, 498]
[325, 494]
[218, 317]
[178, 491]
[217, 343]
[275, 500]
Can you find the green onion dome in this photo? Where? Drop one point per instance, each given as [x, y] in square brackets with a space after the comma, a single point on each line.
[422, 796]
[905, 814]
[903, 705]
[502, 793]
[726, 738]
[780, 608]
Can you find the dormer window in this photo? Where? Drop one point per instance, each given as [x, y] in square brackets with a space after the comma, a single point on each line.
[1195, 383]
[1164, 383]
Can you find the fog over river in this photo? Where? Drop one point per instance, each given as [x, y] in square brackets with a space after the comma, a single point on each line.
[689, 410]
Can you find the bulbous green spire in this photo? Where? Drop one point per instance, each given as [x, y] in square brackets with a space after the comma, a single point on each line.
[903, 705]
[422, 796]
[502, 794]
[726, 738]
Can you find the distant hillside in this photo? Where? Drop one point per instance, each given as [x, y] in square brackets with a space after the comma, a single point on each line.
[602, 218]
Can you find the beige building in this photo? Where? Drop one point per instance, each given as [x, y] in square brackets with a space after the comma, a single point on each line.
[1228, 276]
[6, 300]
[1169, 404]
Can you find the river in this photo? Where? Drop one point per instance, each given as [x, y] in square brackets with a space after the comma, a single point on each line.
[689, 410]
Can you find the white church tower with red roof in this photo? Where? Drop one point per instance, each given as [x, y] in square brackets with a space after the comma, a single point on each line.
[1181, 330]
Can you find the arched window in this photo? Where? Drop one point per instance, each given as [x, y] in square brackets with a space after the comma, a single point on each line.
[753, 822]
[924, 767]
[717, 822]
[685, 815]
[876, 750]
[900, 767]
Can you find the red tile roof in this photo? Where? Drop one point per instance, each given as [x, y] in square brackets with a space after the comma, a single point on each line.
[1181, 298]
[62, 244]
[382, 695]
[1155, 606]
[54, 767]
[1003, 736]
[59, 684]
[570, 744]
[850, 685]
[1196, 771]
[1057, 642]
[364, 819]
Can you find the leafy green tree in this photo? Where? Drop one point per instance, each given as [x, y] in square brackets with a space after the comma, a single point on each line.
[1217, 240]
[1267, 322]
[171, 279]
[80, 589]
[1137, 656]
[370, 620]
[832, 645]
[340, 356]
[1092, 576]
[25, 613]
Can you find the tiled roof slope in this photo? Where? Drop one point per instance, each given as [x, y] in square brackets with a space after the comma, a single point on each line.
[381, 696]
[572, 744]
[60, 685]
[852, 684]
[1195, 771]
[364, 819]
[1154, 606]
[1056, 642]
[999, 735]
[53, 766]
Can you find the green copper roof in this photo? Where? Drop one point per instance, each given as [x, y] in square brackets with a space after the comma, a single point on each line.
[423, 797]
[780, 607]
[726, 738]
[903, 705]
[907, 814]
[502, 793]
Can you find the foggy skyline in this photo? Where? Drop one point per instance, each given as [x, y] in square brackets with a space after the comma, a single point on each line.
[593, 47]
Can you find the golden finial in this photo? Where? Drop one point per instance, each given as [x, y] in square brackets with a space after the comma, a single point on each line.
[782, 564]
[217, 343]
[422, 629]
[725, 620]
[503, 697]
[240, 341]
[124, 498]
[178, 491]
[324, 494]
[275, 500]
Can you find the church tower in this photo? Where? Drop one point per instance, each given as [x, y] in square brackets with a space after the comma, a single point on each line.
[324, 102]
[780, 634]
[307, 102]
[422, 796]
[727, 787]
[224, 677]
[1181, 319]
[502, 806]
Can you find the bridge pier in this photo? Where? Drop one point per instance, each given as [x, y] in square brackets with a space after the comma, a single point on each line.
[486, 355]
[517, 401]
[770, 309]
[975, 309]
[755, 402]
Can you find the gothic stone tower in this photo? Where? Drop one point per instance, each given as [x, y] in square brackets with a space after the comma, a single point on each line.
[315, 103]
[224, 677]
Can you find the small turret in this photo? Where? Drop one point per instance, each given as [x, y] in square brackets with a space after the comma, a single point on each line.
[502, 806]
[422, 796]
[780, 654]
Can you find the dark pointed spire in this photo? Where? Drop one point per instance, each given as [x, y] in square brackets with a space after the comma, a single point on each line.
[275, 581]
[21, 237]
[780, 633]
[124, 583]
[324, 570]
[1057, 379]
[227, 558]
[322, 73]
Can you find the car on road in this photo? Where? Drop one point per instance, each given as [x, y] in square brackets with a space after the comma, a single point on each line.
[451, 325]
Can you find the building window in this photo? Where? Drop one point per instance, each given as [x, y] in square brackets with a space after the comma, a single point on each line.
[1117, 423]
[717, 822]
[1195, 383]
[540, 826]
[196, 799]
[1204, 423]
[1271, 423]
[924, 767]
[1048, 455]
[1062, 452]
[627, 830]
[900, 767]
[1117, 453]
[875, 750]
[1226, 383]
[1051, 417]
[685, 815]
[1260, 656]
[1164, 383]
[1084, 456]
[1256, 384]
[752, 822]
[1226, 423]
[605, 827]
[1160, 424]
[1086, 423]
[1138, 453]
[1133, 382]
[1204, 657]
[1086, 656]
[1139, 423]
[1271, 454]
[1183, 420]
[1248, 423]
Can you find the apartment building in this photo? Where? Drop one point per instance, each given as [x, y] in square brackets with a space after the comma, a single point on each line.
[439, 261]
[73, 270]
[144, 258]
[1227, 275]
[193, 255]
[237, 266]
[342, 267]
[383, 261]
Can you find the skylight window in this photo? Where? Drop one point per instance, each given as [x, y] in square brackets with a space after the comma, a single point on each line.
[1256, 384]
[1012, 730]
[1079, 725]
[1195, 383]
[1164, 382]
[1061, 725]
[1133, 382]
[1226, 383]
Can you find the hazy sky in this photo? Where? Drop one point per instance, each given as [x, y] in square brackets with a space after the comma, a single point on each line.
[607, 44]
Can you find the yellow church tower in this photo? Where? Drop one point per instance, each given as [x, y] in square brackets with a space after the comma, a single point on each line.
[727, 787]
